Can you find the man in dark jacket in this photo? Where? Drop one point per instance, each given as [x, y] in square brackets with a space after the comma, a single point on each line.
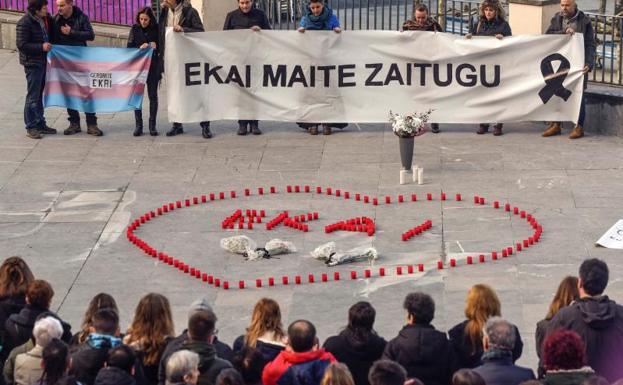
[18, 328]
[247, 17]
[498, 367]
[33, 40]
[568, 21]
[201, 333]
[89, 358]
[119, 367]
[74, 28]
[182, 17]
[421, 21]
[597, 319]
[423, 351]
[302, 362]
[223, 351]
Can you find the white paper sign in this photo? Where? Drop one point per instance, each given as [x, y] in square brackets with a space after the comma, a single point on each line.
[613, 238]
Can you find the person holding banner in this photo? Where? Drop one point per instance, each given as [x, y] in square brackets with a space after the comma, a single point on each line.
[182, 17]
[33, 33]
[74, 28]
[569, 21]
[143, 35]
[247, 17]
[491, 22]
[422, 22]
[319, 17]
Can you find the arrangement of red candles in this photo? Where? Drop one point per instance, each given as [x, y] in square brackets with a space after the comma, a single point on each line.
[246, 219]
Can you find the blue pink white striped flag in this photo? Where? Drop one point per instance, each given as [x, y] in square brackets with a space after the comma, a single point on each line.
[94, 79]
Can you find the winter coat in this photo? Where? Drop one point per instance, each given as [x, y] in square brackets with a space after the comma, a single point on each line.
[222, 351]
[240, 20]
[30, 37]
[326, 21]
[358, 356]
[424, 352]
[189, 21]
[81, 29]
[9, 364]
[431, 25]
[68, 380]
[18, 328]
[114, 376]
[539, 336]
[468, 355]
[209, 364]
[502, 371]
[28, 369]
[139, 36]
[150, 372]
[89, 358]
[599, 321]
[568, 377]
[484, 27]
[269, 350]
[580, 23]
[291, 368]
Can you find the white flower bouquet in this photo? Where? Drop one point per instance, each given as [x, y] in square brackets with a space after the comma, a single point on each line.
[328, 254]
[408, 126]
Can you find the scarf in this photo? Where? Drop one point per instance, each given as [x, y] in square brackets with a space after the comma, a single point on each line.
[497, 354]
[320, 22]
[174, 15]
[99, 341]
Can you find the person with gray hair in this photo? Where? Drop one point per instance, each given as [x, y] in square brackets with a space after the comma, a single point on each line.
[28, 370]
[497, 360]
[183, 368]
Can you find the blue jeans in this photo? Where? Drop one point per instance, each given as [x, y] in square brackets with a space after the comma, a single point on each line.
[582, 111]
[33, 106]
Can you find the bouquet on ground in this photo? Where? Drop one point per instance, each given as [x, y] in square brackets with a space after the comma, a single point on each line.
[328, 254]
[409, 126]
[241, 244]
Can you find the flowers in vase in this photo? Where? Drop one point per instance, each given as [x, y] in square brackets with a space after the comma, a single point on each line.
[409, 125]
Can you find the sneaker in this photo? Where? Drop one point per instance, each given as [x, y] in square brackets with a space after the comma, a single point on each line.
[47, 130]
[94, 130]
[33, 134]
[73, 128]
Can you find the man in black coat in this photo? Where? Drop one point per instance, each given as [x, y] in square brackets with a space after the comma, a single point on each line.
[74, 28]
[597, 319]
[33, 40]
[182, 17]
[423, 351]
[568, 21]
[497, 361]
[247, 17]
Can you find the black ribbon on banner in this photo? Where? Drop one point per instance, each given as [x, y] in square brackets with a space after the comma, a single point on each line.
[554, 80]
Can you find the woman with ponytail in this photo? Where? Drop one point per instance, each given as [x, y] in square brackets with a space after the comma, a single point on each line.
[15, 275]
[358, 346]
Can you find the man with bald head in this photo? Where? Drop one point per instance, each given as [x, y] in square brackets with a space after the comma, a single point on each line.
[302, 361]
[568, 21]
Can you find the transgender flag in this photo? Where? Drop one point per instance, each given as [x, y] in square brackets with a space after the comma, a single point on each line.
[94, 79]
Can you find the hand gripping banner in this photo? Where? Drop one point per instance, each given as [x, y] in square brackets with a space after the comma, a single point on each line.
[359, 76]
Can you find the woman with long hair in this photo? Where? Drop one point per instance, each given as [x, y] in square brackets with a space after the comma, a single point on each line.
[150, 332]
[358, 346]
[265, 332]
[15, 275]
[100, 301]
[55, 362]
[337, 374]
[567, 293]
[482, 303]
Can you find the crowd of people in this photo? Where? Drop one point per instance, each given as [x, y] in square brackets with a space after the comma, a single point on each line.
[579, 342]
[37, 31]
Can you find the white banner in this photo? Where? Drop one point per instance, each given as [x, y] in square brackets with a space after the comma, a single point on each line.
[359, 76]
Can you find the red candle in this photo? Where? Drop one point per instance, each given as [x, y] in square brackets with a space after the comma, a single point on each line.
[457, 197]
[496, 205]
[204, 277]
[336, 276]
[470, 260]
[297, 189]
[401, 198]
[258, 283]
[429, 196]
[211, 196]
[375, 201]
[453, 262]
[329, 191]
[420, 267]
[217, 282]
[324, 277]
[481, 258]
[382, 271]
[443, 196]
[440, 265]
[297, 279]
[284, 280]
[204, 199]
[318, 190]
[399, 270]
[221, 195]
[410, 269]
[413, 197]
[481, 200]
[247, 192]
[388, 200]
[357, 197]
[307, 189]
[366, 199]
[241, 284]
[494, 255]
[507, 207]
[289, 189]
[367, 273]
[353, 275]
[271, 281]
[476, 199]
[226, 285]
[338, 193]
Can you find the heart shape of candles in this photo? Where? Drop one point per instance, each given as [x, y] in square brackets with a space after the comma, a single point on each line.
[378, 272]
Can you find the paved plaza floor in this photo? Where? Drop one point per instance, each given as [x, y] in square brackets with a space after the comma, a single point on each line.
[65, 203]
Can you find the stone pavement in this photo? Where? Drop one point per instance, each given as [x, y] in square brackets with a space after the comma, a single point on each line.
[65, 203]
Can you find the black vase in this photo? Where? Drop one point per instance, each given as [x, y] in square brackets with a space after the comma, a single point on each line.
[406, 151]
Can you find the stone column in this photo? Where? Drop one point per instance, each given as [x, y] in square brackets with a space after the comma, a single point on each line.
[213, 12]
[531, 17]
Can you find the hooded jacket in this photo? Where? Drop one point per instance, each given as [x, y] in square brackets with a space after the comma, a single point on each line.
[292, 368]
[599, 321]
[424, 352]
[358, 356]
[209, 364]
[114, 376]
[89, 358]
[269, 350]
[18, 328]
